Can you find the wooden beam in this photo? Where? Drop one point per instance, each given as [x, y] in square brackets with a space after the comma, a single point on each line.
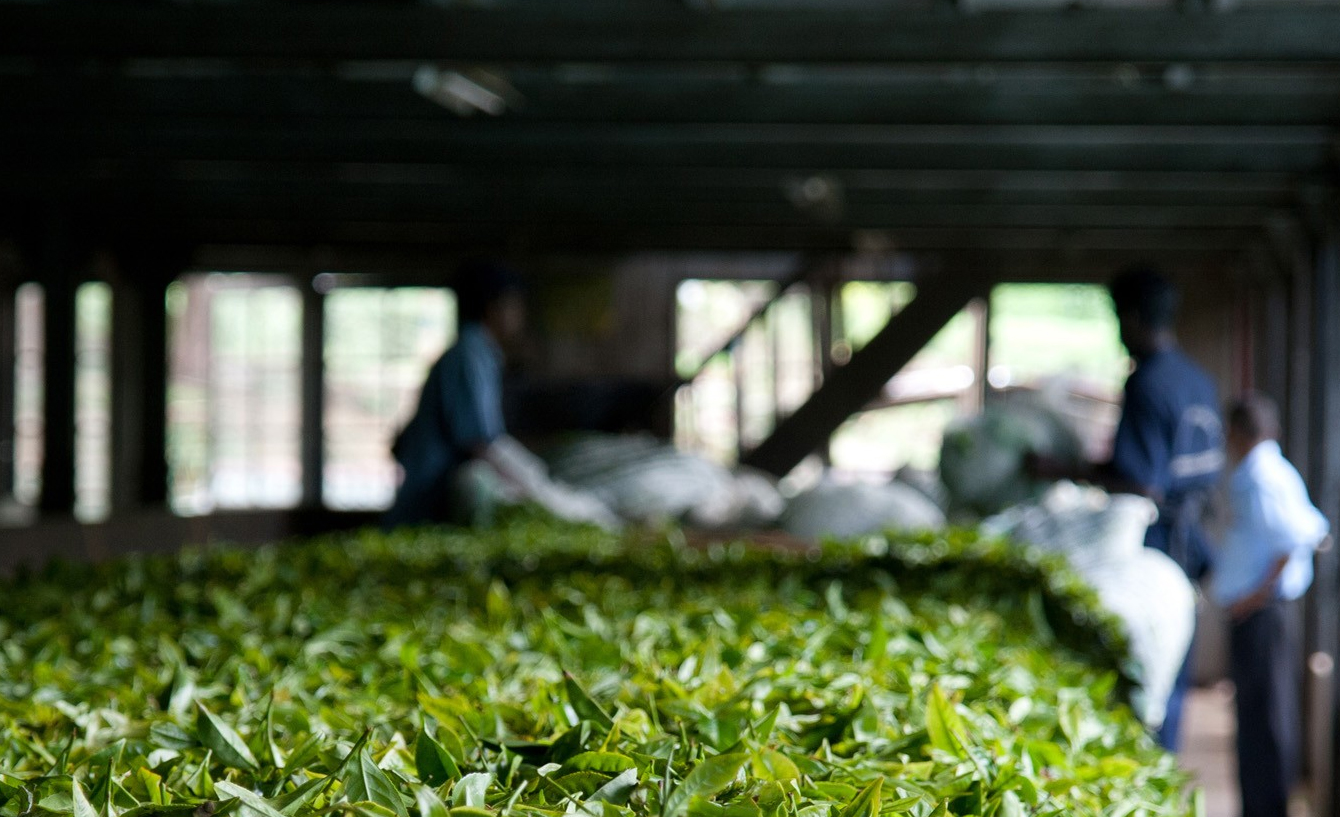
[851, 387]
[643, 32]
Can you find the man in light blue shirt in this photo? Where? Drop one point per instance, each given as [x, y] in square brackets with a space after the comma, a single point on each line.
[1265, 563]
[460, 414]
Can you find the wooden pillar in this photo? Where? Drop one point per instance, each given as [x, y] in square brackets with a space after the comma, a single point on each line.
[313, 394]
[1298, 398]
[1271, 350]
[1325, 486]
[140, 371]
[8, 357]
[57, 258]
[980, 310]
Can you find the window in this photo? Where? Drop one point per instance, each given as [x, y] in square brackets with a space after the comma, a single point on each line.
[1085, 373]
[93, 402]
[29, 315]
[379, 345]
[736, 396]
[905, 425]
[234, 392]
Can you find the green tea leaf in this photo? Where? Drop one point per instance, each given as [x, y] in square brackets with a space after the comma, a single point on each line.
[250, 804]
[187, 809]
[707, 778]
[276, 754]
[943, 725]
[289, 804]
[771, 797]
[582, 783]
[365, 781]
[434, 764]
[430, 805]
[617, 791]
[866, 803]
[702, 807]
[153, 785]
[583, 704]
[606, 762]
[471, 790]
[82, 807]
[220, 738]
[770, 764]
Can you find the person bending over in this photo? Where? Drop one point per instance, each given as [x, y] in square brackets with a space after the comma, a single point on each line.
[459, 414]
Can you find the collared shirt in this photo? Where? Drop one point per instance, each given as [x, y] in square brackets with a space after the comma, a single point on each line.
[460, 410]
[1170, 439]
[1272, 517]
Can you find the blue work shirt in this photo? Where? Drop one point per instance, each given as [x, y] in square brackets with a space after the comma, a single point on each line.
[1272, 517]
[1170, 440]
[460, 411]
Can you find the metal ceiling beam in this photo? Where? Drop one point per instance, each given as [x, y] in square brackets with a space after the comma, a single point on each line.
[417, 265]
[629, 206]
[854, 195]
[414, 236]
[749, 183]
[945, 95]
[637, 32]
[818, 147]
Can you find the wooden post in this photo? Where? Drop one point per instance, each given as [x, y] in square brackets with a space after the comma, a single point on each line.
[140, 371]
[980, 310]
[1298, 407]
[1272, 346]
[57, 257]
[1325, 486]
[8, 356]
[313, 394]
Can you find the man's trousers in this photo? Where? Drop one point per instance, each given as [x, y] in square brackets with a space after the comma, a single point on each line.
[1266, 668]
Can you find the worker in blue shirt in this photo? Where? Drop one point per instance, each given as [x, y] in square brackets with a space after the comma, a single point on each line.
[460, 408]
[1264, 564]
[1169, 444]
[1169, 440]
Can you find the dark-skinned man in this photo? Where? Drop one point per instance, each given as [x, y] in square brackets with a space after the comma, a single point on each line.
[1169, 444]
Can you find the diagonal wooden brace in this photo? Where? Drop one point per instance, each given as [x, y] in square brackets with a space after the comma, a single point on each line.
[850, 388]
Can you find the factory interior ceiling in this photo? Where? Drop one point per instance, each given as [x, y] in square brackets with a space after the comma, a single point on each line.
[988, 132]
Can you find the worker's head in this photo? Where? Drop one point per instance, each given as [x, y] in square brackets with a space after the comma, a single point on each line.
[490, 293]
[1252, 419]
[1146, 304]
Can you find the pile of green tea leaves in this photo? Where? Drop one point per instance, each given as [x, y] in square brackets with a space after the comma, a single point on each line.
[541, 670]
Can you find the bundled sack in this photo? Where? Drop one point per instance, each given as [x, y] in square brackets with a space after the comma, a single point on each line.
[982, 457]
[842, 511]
[1102, 535]
[645, 480]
